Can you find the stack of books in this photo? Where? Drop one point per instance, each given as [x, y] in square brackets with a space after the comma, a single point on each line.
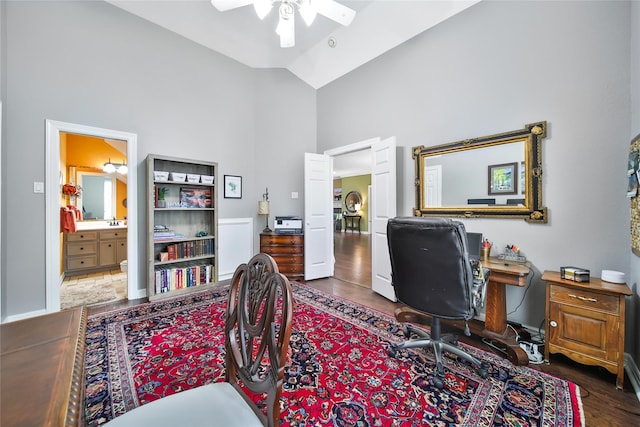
[161, 232]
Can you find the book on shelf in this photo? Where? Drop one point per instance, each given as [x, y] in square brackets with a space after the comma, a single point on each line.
[171, 279]
[188, 249]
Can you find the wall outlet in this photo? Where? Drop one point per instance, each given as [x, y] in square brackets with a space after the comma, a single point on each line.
[294, 194]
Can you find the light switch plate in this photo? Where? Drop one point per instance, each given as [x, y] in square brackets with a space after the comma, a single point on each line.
[38, 187]
[294, 194]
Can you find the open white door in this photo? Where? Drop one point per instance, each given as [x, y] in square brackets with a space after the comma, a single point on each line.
[318, 218]
[383, 194]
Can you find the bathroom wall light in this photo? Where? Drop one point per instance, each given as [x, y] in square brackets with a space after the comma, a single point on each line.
[110, 167]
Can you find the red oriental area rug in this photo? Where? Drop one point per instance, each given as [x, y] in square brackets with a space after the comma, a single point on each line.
[339, 374]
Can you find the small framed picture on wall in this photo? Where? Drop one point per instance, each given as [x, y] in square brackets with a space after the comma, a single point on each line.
[232, 187]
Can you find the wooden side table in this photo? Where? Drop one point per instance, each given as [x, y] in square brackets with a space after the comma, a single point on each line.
[352, 222]
[585, 322]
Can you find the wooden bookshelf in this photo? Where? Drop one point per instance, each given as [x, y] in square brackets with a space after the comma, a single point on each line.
[182, 223]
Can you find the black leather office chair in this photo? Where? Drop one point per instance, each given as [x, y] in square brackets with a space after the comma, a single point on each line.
[433, 278]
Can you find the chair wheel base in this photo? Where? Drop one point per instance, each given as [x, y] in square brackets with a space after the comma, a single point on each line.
[438, 382]
[392, 351]
[483, 370]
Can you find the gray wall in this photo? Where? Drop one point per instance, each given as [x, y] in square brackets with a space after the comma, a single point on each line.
[284, 130]
[496, 67]
[93, 64]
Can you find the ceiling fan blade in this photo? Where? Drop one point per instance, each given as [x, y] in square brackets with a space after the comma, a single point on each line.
[336, 11]
[224, 5]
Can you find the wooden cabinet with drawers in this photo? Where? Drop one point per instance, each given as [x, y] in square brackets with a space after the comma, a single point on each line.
[585, 322]
[94, 250]
[113, 247]
[81, 251]
[288, 252]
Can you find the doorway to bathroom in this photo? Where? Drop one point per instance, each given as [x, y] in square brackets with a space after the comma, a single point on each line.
[107, 235]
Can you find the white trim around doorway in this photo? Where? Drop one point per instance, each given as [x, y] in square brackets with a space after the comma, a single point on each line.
[52, 207]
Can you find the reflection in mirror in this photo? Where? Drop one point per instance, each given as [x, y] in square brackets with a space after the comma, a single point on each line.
[463, 176]
[353, 201]
[491, 176]
[98, 198]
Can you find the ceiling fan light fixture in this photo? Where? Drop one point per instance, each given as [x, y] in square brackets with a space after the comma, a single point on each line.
[285, 28]
[262, 7]
[307, 11]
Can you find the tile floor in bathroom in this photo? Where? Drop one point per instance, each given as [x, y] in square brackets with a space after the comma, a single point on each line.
[112, 279]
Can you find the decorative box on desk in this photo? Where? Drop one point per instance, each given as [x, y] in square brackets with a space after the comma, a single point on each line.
[585, 322]
[288, 252]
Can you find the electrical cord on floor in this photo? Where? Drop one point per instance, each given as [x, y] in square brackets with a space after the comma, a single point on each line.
[515, 332]
[530, 281]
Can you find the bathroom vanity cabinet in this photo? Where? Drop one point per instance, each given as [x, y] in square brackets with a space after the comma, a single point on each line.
[88, 251]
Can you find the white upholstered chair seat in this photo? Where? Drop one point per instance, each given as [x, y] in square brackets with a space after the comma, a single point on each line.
[217, 404]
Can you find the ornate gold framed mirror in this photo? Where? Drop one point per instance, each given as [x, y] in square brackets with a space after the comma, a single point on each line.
[353, 201]
[495, 176]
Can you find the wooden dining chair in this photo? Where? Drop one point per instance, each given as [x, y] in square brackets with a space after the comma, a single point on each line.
[257, 332]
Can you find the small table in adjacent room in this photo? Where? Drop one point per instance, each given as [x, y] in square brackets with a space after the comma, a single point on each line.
[352, 222]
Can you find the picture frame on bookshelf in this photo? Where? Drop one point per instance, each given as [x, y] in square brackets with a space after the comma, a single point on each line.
[191, 197]
[232, 187]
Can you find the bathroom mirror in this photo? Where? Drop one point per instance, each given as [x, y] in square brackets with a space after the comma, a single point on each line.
[98, 200]
[495, 176]
[353, 201]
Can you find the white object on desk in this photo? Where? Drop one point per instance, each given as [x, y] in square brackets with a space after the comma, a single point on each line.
[612, 276]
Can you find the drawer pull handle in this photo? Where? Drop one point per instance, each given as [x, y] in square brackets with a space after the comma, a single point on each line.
[553, 324]
[581, 298]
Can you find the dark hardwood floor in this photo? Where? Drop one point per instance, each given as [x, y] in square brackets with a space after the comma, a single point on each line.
[353, 257]
[603, 404]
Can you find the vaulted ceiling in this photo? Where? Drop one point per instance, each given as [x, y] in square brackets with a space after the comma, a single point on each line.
[379, 25]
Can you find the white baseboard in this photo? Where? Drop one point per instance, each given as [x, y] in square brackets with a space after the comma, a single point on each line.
[632, 371]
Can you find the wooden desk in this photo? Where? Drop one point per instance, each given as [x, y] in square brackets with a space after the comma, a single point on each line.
[42, 370]
[495, 325]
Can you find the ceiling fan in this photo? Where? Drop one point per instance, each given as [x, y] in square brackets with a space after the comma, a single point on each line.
[286, 11]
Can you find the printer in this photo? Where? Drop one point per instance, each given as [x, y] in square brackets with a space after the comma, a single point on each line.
[287, 225]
